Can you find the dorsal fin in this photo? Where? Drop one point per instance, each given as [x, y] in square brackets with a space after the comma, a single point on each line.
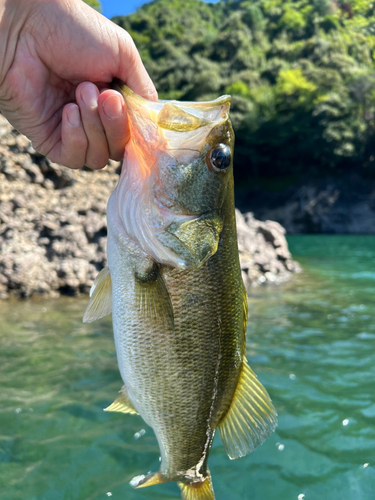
[251, 417]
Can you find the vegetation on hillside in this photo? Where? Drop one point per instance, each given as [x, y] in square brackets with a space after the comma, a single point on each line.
[301, 74]
[95, 4]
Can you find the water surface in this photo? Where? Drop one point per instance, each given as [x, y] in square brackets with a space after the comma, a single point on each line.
[311, 341]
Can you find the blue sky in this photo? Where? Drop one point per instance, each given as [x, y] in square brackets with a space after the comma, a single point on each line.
[112, 8]
[120, 7]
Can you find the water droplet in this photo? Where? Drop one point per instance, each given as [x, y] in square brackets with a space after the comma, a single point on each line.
[139, 434]
[292, 376]
[18, 410]
[159, 459]
[301, 496]
[280, 446]
[365, 465]
[109, 494]
[345, 422]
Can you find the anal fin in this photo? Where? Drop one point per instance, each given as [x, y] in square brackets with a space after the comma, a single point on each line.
[198, 491]
[251, 417]
[122, 404]
[100, 303]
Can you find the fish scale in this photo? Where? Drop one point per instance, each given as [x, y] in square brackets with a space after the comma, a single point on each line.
[178, 302]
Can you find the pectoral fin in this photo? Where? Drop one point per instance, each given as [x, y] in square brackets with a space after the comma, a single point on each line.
[251, 418]
[122, 404]
[152, 297]
[100, 303]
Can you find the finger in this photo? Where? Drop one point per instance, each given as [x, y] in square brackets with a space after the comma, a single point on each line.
[112, 112]
[97, 151]
[131, 69]
[73, 139]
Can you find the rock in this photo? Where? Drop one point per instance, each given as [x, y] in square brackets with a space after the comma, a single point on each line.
[52, 221]
[263, 249]
[53, 226]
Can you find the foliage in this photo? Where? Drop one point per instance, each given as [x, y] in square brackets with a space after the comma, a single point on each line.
[301, 74]
[95, 4]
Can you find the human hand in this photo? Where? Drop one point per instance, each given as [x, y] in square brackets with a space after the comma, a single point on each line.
[53, 50]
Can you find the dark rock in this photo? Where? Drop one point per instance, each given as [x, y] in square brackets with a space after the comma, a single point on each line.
[264, 254]
[337, 206]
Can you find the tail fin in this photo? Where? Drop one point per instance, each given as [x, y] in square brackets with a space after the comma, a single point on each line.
[198, 491]
[192, 491]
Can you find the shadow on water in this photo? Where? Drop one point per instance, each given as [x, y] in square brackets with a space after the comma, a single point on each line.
[311, 341]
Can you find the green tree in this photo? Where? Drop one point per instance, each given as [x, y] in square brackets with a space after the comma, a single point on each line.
[95, 4]
[301, 73]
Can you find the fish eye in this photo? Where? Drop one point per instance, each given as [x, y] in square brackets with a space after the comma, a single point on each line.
[220, 157]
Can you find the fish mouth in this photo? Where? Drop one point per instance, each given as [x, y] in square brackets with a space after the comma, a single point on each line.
[180, 116]
[165, 123]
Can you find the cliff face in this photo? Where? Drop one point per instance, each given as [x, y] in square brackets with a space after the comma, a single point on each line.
[53, 226]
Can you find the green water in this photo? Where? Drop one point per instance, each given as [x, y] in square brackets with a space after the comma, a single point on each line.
[311, 342]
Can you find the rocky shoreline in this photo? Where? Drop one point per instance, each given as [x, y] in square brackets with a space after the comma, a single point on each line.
[53, 226]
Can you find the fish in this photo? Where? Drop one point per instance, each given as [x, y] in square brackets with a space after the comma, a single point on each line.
[173, 284]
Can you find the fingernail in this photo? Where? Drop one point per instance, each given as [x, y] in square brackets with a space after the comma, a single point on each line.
[74, 116]
[112, 107]
[89, 94]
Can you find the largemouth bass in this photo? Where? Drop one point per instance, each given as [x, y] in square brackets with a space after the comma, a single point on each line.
[174, 286]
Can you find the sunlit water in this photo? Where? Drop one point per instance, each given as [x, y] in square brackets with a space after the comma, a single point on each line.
[311, 342]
